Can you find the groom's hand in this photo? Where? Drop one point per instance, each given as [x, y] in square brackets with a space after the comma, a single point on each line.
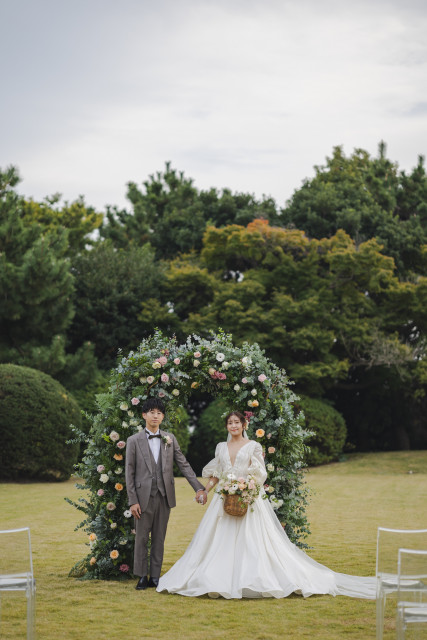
[136, 511]
[203, 493]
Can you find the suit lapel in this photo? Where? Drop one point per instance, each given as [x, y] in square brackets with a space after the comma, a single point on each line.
[145, 449]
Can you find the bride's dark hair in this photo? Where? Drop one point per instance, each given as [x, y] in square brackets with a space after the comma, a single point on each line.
[238, 415]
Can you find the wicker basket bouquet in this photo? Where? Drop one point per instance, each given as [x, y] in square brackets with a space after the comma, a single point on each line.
[237, 493]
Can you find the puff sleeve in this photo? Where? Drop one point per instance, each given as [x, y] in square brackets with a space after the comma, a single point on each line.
[257, 465]
[213, 468]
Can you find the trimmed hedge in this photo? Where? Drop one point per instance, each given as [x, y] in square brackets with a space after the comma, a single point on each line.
[35, 416]
[330, 431]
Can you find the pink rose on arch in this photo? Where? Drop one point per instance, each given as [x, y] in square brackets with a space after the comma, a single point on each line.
[162, 394]
[164, 377]
[218, 375]
[150, 379]
[100, 468]
[100, 492]
[135, 401]
[248, 415]
[124, 568]
[245, 380]
[121, 444]
[262, 377]
[177, 361]
[197, 354]
[163, 360]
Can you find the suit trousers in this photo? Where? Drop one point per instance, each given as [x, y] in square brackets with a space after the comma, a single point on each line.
[154, 520]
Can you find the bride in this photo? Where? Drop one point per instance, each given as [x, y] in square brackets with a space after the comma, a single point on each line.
[250, 556]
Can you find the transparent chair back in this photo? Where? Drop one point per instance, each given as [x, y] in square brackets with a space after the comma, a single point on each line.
[389, 541]
[16, 570]
[411, 594]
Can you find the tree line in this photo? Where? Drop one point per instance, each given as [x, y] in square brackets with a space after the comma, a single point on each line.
[332, 286]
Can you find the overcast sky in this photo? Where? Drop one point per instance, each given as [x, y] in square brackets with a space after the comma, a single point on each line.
[244, 94]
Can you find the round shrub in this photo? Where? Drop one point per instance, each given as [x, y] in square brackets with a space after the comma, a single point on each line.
[35, 416]
[330, 431]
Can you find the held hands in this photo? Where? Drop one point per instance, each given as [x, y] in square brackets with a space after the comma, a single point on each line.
[136, 511]
[202, 496]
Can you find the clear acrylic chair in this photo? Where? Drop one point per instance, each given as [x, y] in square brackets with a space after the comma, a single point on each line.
[411, 592]
[389, 541]
[16, 570]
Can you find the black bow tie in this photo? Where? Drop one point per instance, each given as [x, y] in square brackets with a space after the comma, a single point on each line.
[156, 435]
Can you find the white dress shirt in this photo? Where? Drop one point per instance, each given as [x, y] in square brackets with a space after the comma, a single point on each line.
[154, 443]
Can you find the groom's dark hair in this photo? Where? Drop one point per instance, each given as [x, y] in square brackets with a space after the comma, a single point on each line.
[153, 403]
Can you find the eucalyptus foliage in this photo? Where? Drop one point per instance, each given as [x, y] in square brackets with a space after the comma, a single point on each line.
[243, 377]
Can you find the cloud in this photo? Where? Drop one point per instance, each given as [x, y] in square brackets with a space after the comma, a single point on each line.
[241, 94]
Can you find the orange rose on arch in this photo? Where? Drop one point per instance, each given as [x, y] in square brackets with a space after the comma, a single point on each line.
[259, 433]
[118, 456]
[118, 486]
[114, 554]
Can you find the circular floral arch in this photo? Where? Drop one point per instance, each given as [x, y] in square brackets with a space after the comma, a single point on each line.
[243, 377]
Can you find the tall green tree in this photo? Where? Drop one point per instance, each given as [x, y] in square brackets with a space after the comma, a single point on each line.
[366, 197]
[36, 291]
[35, 281]
[332, 312]
[172, 214]
[111, 285]
[79, 220]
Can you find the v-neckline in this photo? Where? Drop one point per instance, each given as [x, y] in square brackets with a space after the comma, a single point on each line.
[228, 451]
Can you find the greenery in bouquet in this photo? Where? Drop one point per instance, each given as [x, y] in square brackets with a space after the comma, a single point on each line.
[242, 376]
[247, 489]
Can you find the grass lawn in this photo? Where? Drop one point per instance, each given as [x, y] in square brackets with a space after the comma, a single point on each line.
[349, 501]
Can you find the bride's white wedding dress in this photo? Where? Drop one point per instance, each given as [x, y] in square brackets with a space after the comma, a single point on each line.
[251, 557]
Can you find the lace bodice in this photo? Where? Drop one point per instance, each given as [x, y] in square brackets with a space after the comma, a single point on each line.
[249, 461]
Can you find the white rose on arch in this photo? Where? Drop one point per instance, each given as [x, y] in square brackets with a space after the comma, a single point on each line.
[220, 357]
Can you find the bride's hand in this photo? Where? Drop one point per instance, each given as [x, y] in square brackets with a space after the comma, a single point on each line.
[203, 493]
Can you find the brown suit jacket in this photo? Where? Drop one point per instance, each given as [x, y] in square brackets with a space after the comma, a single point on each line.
[139, 469]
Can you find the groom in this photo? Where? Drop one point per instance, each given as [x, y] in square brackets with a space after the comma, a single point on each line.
[150, 485]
